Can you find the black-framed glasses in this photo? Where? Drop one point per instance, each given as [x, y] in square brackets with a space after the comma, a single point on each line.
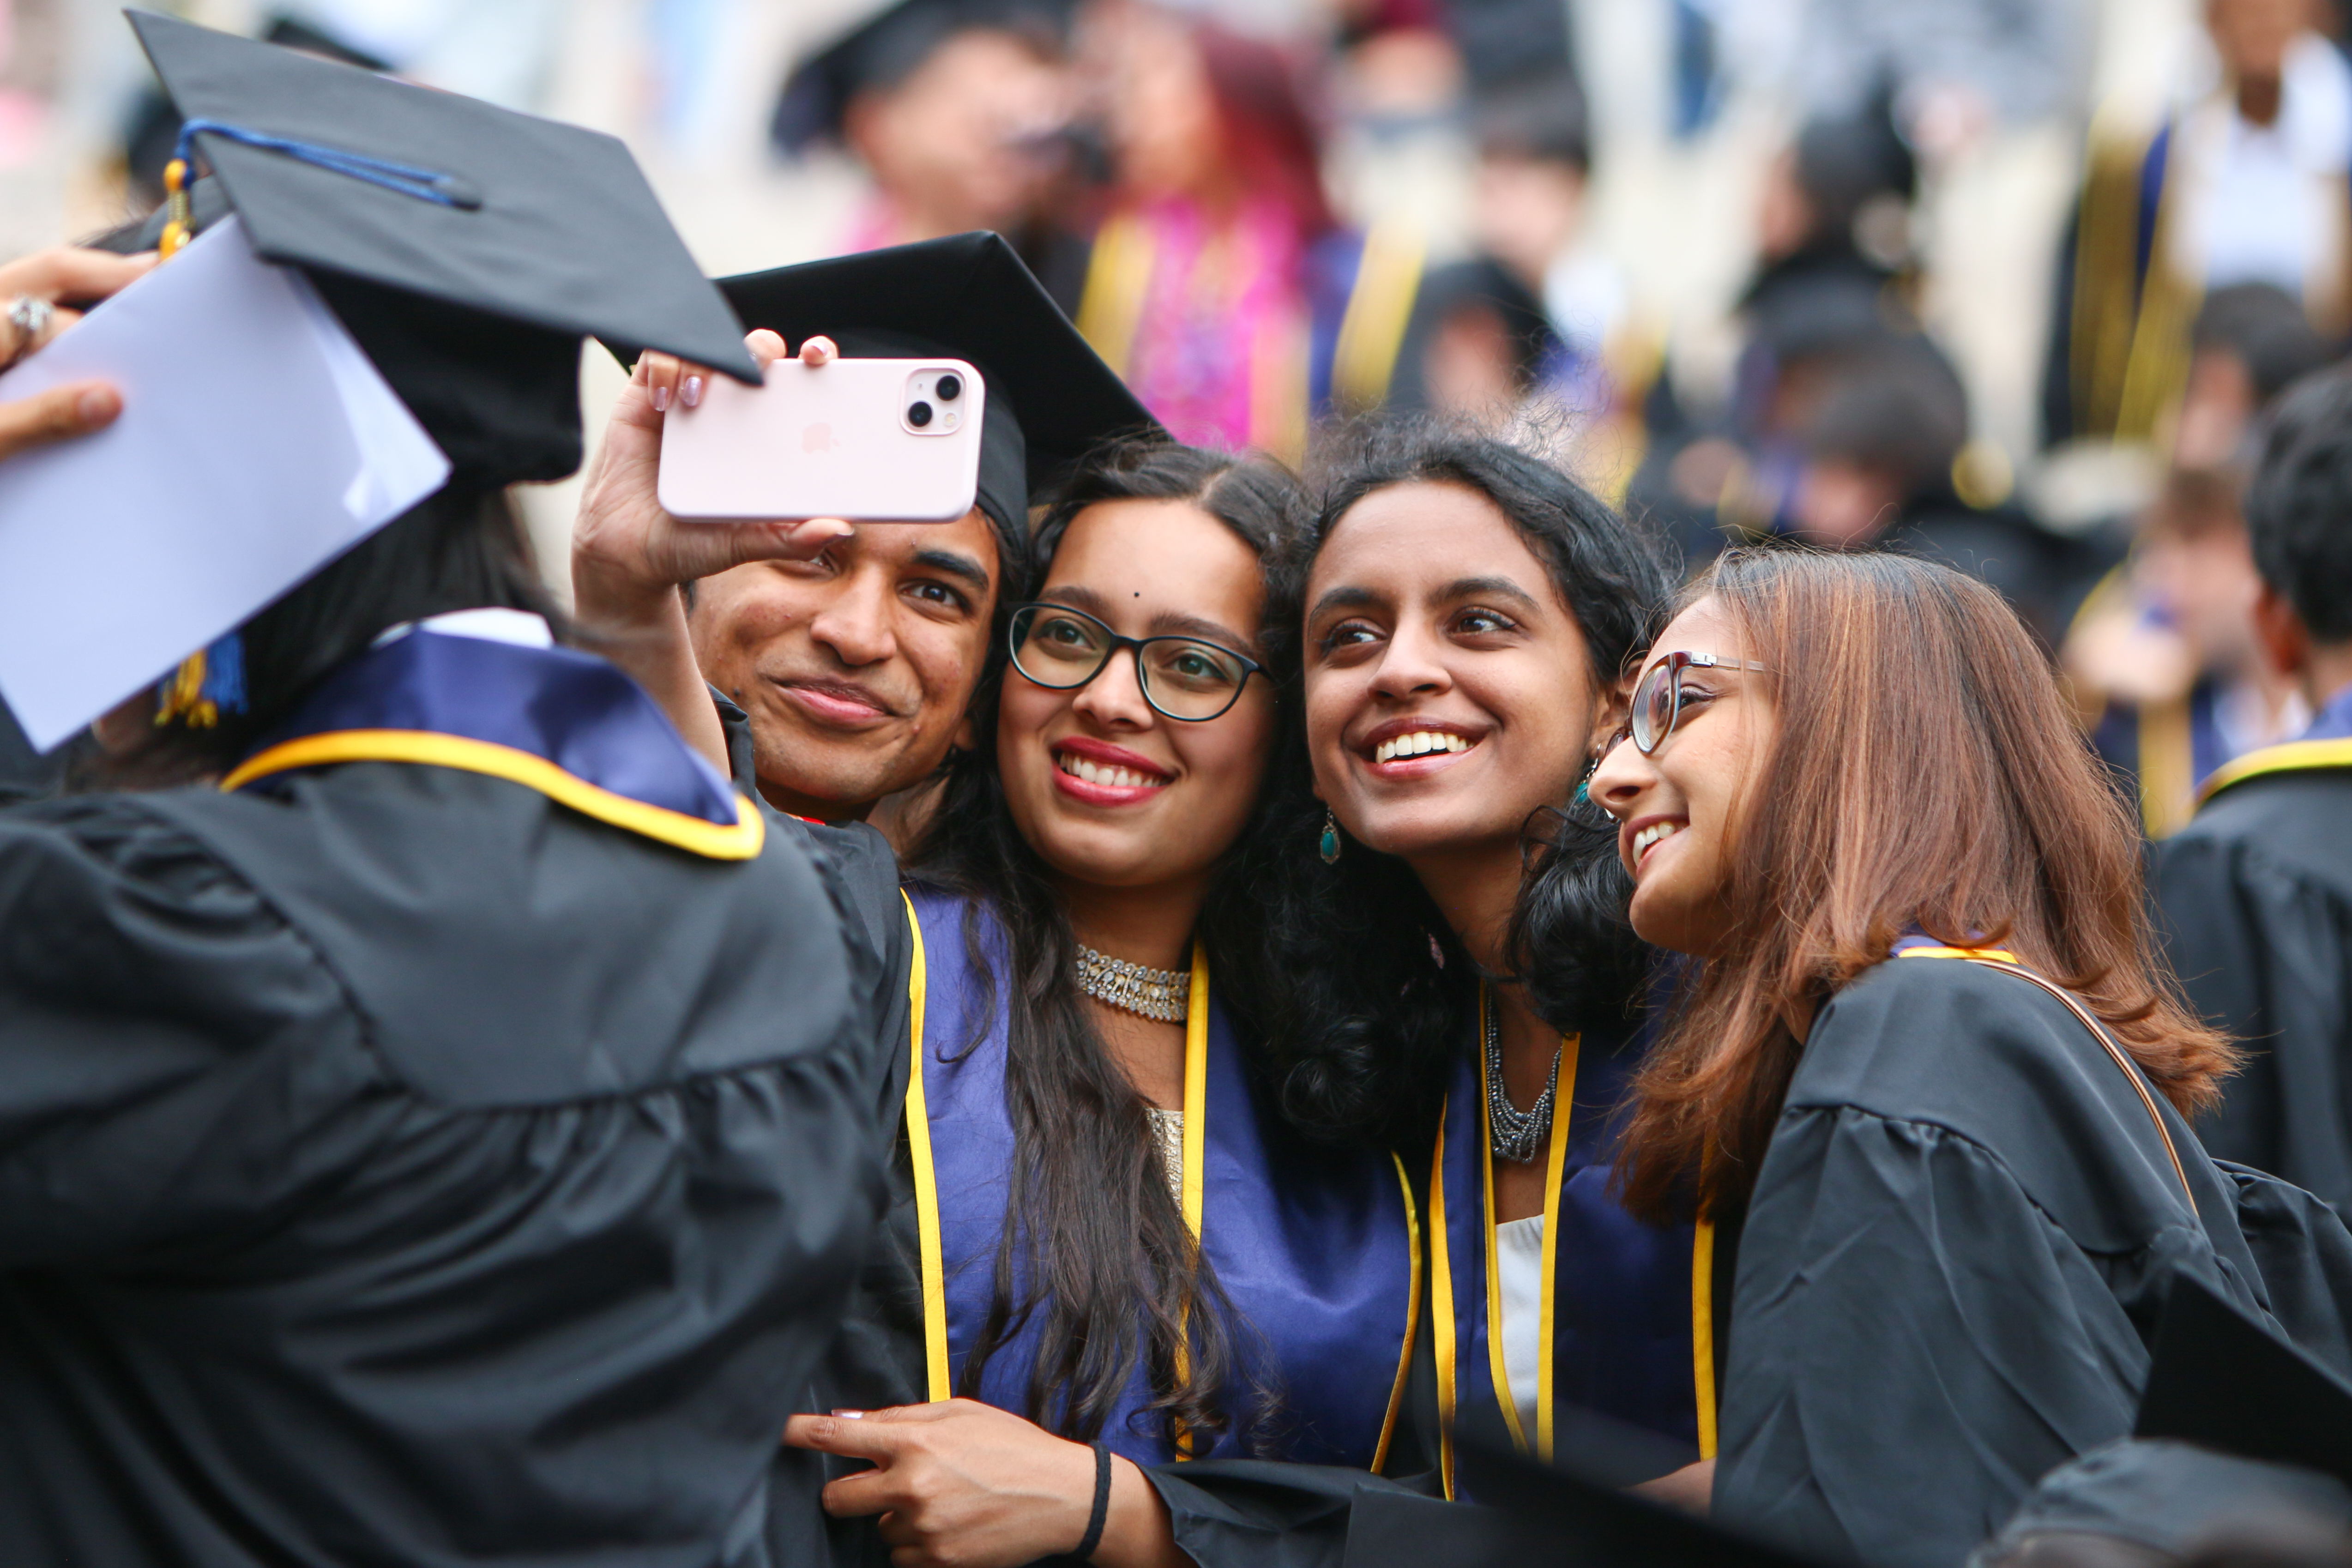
[1658, 700]
[1184, 678]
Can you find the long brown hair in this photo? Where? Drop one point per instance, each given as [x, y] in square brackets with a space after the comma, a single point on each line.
[1926, 775]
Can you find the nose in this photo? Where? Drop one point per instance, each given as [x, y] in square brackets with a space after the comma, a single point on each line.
[1621, 781]
[1114, 699]
[855, 621]
[1409, 666]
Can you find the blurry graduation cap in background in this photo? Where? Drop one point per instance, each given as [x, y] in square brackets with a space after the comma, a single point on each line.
[1051, 399]
[885, 49]
[468, 248]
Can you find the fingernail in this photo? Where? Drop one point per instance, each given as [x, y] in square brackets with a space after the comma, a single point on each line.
[691, 394]
[661, 399]
[851, 1415]
[95, 405]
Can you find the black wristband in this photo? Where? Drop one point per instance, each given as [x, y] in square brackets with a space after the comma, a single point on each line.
[1101, 1514]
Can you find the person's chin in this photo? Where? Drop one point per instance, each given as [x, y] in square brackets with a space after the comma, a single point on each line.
[1420, 827]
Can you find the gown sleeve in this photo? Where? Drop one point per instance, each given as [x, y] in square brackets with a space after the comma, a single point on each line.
[2262, 954]
[155, 1010]
[1995, 1348]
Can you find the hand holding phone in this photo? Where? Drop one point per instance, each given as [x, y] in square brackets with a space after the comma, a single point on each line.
[892, 440]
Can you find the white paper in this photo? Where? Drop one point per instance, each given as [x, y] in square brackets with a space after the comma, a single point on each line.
[256, 443]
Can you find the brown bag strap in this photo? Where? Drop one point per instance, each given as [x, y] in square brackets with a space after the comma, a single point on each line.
[2122, 1059]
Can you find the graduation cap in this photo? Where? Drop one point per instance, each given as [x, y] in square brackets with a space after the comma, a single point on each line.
[1051, 399]
[2221, 1380]
[467, 249]
[886, 49]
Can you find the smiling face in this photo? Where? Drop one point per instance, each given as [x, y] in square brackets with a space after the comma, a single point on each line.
[1678, 810]
[1109, 791]
[855, 668]
[1449, 693]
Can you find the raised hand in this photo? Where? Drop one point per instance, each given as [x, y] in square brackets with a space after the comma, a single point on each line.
[628, 554]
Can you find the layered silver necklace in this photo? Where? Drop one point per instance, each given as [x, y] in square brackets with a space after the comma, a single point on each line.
[1515, 1135]
[1163, 995]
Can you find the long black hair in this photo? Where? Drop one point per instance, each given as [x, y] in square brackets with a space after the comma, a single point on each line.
[459, 548]
[1375, 988]
[1090, 1215]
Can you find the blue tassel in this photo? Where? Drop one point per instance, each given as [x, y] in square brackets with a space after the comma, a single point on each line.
[208, 683]
[223, 685]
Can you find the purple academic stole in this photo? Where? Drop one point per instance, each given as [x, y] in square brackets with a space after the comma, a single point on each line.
[1313, 1247]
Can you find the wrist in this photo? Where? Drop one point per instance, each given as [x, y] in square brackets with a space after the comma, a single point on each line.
[607, 597]
[1137, 1530]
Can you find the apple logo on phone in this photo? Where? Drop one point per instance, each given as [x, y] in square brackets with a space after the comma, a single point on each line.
[818, 438]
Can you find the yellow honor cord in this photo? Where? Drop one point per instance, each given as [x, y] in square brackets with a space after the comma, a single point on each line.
[937, 1383]
[1411, 1319]
[1443, 1323]
[1703, 1332]
[1554, 1164]
[1196, 1141]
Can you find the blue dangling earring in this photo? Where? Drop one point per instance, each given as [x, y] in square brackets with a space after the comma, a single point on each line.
[1584, 791]
[1330, 845]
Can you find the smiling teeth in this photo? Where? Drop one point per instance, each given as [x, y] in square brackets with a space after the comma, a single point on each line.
[1652, 834]
[1113, 778]
[1417, 743]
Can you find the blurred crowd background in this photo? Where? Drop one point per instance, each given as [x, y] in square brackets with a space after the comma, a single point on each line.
[2006, 281]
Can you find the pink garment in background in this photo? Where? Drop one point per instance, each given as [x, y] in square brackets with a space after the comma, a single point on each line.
[1222, 317]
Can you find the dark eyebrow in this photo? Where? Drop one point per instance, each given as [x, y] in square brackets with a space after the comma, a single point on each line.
[1170, 624]
[1345, 598]
[1486, 588]
[1085, 599]
[1167, 623]
[954, 565]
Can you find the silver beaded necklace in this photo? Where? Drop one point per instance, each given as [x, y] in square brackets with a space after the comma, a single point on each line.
[1515, 1135]
[1163, 994]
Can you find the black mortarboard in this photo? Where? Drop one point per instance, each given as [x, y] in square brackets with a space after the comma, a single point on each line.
[466, 248]
[2221, 1380]
[888, 48]
[968, 296]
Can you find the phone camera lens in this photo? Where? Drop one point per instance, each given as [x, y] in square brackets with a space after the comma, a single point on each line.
[918, 415]
[950, 387]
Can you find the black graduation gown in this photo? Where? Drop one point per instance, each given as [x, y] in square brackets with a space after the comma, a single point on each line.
[1951, 1267]
[875, 1359]
[399, 1167]
[2255, 897]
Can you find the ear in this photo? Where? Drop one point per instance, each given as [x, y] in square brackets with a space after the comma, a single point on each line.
[2285, 641]
[1610, 705]
[967, 733]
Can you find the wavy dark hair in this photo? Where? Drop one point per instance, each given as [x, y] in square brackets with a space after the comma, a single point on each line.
[459, 548]
[1110, 1264]
[1374, 991]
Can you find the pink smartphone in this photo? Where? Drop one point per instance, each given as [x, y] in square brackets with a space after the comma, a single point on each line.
[877, 440]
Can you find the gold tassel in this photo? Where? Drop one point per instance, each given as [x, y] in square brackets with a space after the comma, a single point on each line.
[185, 699]
[178, 229]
